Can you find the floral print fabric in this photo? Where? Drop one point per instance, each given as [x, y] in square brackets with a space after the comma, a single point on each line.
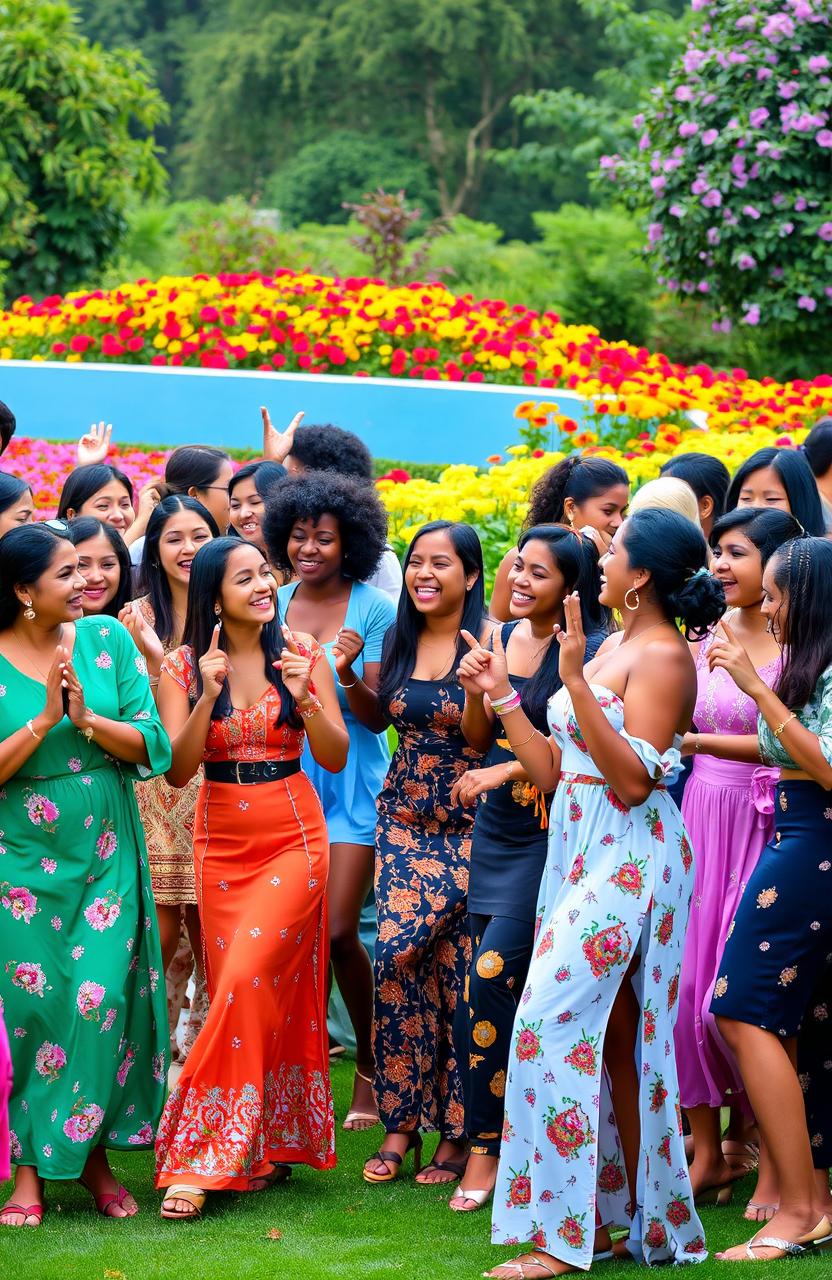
[80, 965]
[616, 885]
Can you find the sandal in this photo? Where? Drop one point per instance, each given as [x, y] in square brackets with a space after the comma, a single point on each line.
[755, 1206]
[455, 1167]
[480, 1198]
[194, 1196]
[740, 1155]
[815, 1242]
[368, 1118]
[277, 1173]
[106, 1201]
[28, 1211]
[519, 1264]
[392, 1158]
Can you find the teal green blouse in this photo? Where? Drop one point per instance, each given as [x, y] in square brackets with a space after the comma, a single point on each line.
[816, 716]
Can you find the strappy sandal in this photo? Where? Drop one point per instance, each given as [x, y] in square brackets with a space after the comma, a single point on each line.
[455, 1167]
[816, 1241]
[480, 1198]
[392, 1158]
[106, 1201]
[520, 1266]
[740, 1155]
[755, 1206]
[194, 1196]
[28, 1211]
[368, 1118]
[277, 1173]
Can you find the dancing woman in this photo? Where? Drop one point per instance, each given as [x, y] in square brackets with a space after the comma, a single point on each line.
[779, 944]
[612, 912]
[254, 1091]
[508, 846]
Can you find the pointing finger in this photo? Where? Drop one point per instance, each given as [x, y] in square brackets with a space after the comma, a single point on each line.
[215, 639]
[471, 641]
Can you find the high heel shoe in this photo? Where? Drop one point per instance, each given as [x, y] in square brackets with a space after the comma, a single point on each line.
[480, 1198]
[394, 1161]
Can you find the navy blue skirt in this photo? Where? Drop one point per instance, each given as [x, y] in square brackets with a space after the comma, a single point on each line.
[780, 943]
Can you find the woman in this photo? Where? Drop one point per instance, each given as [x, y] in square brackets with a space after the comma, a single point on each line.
[79, 950]
[508, 846]
[255, 1088]
[729, 816]
[708, 477]
[778, 946]
[667, 493]
[778, 478]
[612, 912]
[590, 494]
[817, 450]
[247, 494]
[201, 472]
[101, 491]
[423, 843]
[331, 531]
[104, 564]
[17, 506]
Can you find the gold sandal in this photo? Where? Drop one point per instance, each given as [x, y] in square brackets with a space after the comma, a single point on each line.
[194, 1196]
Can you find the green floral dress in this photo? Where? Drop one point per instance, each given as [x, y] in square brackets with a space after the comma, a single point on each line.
[80, 962]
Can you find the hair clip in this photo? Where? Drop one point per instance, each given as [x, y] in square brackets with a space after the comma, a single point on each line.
[698, 574]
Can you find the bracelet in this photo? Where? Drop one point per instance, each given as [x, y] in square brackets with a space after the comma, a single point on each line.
[782, 726]
[30, 727]
[497, 703]
[311, 708]
[525, 740]
[697, 744]
[89, 731]
[346, 686]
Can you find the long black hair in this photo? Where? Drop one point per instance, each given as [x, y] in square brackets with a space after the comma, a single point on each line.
[674, 552]
[707, 476]
[7, 425]
[204, 591]
[85, 527]
[83, 482]
[401, 642]
[576, 477]
[817, 447]
[796, 477]
[576, 558]
[802, 570]
[766, 527]
[25, 555]
[265, 474]
[194, 466]
[11, 490]
[152, 576]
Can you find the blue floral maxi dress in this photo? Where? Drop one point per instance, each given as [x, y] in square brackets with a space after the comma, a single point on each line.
[617, 883]
[80, 962]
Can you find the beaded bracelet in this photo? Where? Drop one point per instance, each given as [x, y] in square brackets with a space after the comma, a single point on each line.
[497, 703]
[314, 706]
[507, 705]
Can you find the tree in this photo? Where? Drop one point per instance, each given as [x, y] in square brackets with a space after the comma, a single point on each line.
[734, 165]
[74, 146]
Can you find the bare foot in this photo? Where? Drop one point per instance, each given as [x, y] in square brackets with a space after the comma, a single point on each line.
[791, 1226]
[363, 1113]
[28, 1193]
[447, 1153]
[716, 1173]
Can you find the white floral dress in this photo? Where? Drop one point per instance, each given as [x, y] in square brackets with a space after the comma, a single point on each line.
[617, 883]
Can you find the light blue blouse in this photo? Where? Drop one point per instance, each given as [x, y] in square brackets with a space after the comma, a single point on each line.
[349, 797]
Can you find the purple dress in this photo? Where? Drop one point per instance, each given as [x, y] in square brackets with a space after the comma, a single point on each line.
[728, 809]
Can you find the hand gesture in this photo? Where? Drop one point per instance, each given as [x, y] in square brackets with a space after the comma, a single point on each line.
[728, 653]
[572, 641]
[149, 499]
[277, 445]
[213, 667]
[484, 670]
[601, 539]
[472, 784]
[76, 703]
[53, 707]
[94, 444]
[348, 645]
[296, 668]
[144, 637]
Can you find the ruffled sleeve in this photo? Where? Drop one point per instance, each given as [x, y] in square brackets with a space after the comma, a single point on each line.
[661, 768]
[179, 665]
[137, 707]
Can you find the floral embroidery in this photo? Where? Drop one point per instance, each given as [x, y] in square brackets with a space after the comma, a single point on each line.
[50, 1060]
[85, 1121]
[29, 977]
[107, 842]
[767, 898]
[89, 997]
[102, 913]
[103, 660]
[21, 902]
[42, 812]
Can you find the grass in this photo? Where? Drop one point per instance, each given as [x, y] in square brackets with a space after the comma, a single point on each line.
[329, 1224]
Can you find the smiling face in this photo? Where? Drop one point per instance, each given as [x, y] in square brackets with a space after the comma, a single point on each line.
[764, 488]
[617, 574]
[775, 606]
[246, 513]
[604, 512]
[110, 504]
[183, 534]
[315, 549]
[215, 496]
[99, 567]
[249, 589]
[536, 582]
[57, 594]
[21, 511]
[738, 566]
[435, 576]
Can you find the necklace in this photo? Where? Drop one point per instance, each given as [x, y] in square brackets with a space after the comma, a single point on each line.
[31, 660]
[652, 627]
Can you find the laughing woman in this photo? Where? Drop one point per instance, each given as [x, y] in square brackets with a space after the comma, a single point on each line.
[237, 696]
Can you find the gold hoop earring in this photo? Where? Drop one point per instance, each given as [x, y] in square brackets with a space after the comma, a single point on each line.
[28, 612]
[627, 605]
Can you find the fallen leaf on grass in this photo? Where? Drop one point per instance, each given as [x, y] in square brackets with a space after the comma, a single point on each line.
[274, 1234]
[114, 1275]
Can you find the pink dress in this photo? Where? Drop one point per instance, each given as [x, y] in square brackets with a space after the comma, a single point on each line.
[728, 809]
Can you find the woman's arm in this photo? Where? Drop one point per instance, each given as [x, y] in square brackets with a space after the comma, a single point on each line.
[16, 749]
[501, 595]
[744, 747]
[187, 728]
[329, 740]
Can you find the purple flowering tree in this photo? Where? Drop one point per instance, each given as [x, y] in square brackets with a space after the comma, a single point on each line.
[734, 166]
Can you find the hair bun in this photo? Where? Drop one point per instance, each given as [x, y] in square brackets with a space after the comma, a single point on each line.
[699, 603]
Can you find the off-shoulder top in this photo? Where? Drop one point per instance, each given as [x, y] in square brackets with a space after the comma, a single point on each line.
[248, 734]
[816, 716]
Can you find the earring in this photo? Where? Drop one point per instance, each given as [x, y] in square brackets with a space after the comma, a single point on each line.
[571, 519]
[632, 607]
[28, 612]
[218, 610]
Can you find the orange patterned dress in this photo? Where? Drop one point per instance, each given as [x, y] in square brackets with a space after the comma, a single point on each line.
[167, 815]
[255, 1088]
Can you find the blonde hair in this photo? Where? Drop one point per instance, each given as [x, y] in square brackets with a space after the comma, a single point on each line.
[668, 493]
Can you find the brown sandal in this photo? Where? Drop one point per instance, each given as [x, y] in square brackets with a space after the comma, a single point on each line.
[194, 1196]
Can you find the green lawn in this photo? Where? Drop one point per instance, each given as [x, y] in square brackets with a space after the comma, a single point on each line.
[331, 1225]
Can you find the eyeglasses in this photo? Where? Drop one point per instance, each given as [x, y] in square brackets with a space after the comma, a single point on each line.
[220, 488]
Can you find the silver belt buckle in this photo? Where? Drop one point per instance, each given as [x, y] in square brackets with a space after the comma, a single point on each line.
[241, 782]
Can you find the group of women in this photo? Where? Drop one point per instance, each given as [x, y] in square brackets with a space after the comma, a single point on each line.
[197, 693]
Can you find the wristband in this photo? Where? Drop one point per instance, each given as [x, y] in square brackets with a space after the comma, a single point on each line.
[312, 707]
[499, 702]
[30, 727]
[508, 704]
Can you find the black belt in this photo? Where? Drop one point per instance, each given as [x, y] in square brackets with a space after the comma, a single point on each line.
[248, 773]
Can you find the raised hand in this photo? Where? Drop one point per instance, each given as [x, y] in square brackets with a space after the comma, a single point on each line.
[53, 707]
[601, 539]
[144, 637]
[296, 668]
[727, 652]
[572, 641]
[94, 444]
[76, 703]
[348, 645]
[213, 667]
[472, 784]
[277, 445]
[149, 499]
[484, 670]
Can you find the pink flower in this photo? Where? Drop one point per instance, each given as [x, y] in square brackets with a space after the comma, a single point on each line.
[57, 923]
[746, 262]
[676, 211]
[21, 902]
[28, 976]
[42, 812]
[825, 231]
[710, 136]
[85, 1123]
[74, 765]
[805, 303]
[788, 89]
[102, 913]
[89, 997]
[104, 661]
[750, 211]
[127, 1062]
[752, 315]
[106, 845]
[824, 138]
[143, 1138]
[800, 204]
[778, 27]
[50, 1059]
[757, 117]
[688, 129]
[818, 63]
[683, 93]
[713, 199]
[654, 232]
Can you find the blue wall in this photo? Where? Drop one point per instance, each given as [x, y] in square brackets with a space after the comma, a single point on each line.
[412, 421]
